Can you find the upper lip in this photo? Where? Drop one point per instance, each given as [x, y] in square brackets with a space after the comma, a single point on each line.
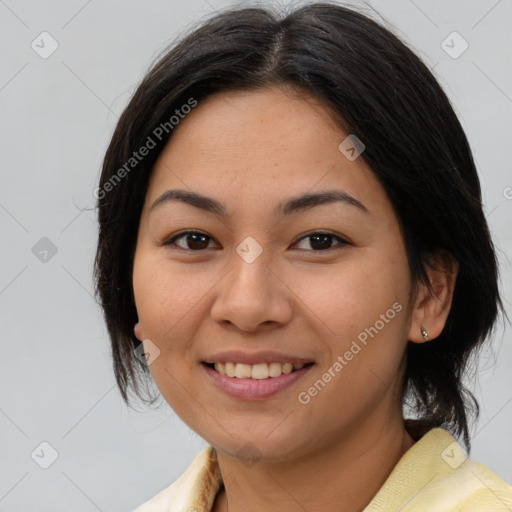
[267, 356]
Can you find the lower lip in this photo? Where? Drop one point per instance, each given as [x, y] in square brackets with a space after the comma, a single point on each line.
[254, 389]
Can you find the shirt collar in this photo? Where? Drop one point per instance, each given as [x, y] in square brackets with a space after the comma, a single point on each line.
[433, 474]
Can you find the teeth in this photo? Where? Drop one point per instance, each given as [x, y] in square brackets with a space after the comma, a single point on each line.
[256, 371]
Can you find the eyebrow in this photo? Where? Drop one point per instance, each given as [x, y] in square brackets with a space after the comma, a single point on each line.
[292, 205]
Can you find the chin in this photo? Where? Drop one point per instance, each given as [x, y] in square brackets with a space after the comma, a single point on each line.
[259, 446]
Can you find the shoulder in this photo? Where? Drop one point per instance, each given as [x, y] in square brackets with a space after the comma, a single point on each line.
[436, 475]
[473, 487]
[195, 489]
[470, 487]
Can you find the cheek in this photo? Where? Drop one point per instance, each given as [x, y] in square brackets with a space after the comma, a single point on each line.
[162, 292]
[168, 302]
[344, 298]
[170, 298]
[359, 309]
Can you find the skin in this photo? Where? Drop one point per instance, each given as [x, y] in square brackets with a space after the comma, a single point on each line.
[251, 150]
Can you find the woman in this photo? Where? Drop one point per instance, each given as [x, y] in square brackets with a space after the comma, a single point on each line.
[292, 245]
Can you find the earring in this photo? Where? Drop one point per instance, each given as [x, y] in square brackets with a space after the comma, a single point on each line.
[424, 333]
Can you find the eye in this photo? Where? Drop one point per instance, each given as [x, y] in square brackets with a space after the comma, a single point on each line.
[197, 241]
[321, 241]
[194, 239]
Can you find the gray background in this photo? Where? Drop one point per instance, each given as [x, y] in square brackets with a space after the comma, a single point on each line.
[58, 113]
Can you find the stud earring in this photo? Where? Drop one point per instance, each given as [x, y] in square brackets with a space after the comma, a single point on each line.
[424, 333]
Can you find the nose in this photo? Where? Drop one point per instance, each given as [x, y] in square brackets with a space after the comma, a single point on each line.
[252, 296]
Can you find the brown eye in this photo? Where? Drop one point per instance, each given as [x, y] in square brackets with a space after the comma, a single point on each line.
[197, 241]
[320, 241]
[194, 241]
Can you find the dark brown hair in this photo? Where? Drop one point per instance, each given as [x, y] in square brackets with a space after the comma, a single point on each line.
[381, 92]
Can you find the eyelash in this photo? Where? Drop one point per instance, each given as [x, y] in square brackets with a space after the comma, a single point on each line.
[342, 241]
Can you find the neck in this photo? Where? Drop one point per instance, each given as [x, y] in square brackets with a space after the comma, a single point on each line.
[336, 478]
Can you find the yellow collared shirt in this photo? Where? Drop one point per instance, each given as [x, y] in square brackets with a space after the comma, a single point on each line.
[434, 475]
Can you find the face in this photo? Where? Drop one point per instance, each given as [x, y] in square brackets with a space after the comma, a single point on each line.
[319, 282]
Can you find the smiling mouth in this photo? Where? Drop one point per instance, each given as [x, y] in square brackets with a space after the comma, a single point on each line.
[258, 371]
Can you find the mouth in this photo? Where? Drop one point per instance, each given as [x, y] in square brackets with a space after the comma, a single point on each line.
[259, 381]
[259, 371]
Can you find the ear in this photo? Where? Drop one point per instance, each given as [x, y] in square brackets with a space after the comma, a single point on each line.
[431, 309]
[138, 331]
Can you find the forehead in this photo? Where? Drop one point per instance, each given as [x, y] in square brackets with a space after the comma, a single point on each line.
[256, 147]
